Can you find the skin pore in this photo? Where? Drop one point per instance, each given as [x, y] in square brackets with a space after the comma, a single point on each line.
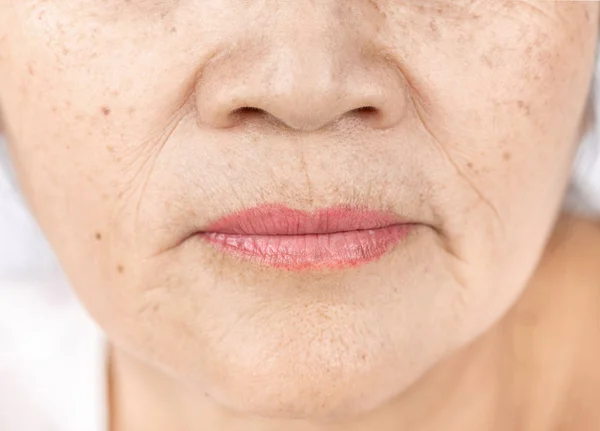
[133, 125]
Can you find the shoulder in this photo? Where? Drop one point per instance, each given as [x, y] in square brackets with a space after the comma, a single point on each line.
[568, 284]
[565, 288]
[568, 279]
[575, 244]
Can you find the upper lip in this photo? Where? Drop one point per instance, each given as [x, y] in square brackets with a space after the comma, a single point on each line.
[276, 219]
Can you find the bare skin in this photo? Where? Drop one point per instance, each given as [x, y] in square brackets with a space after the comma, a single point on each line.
[536, 369]
[132, 125]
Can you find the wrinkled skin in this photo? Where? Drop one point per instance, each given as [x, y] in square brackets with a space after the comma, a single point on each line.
[124, 123]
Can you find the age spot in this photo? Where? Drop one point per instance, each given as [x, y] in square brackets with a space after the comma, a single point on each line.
[524, 107]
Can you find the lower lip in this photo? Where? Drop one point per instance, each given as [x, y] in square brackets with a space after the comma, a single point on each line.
[311, 251]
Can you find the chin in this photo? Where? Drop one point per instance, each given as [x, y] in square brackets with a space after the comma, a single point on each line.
[327, 395]
[323, 381]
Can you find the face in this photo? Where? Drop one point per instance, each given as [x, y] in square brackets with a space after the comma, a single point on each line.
[135, 125]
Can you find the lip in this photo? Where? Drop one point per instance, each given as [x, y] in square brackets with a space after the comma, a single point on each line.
[279, 236]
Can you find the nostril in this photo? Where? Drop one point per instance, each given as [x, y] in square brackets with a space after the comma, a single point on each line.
[246, 113]
[366, 113]
[247, 109]
[365, 110]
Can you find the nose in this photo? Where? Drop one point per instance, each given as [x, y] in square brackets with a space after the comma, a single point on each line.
[305, 78]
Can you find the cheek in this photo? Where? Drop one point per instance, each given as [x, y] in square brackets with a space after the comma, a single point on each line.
[506, 116]
[68, 108]
[502, 110]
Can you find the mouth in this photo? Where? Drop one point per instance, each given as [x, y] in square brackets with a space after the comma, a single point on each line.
[279, 236]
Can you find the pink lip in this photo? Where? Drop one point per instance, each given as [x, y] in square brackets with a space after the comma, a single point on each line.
[328, 238]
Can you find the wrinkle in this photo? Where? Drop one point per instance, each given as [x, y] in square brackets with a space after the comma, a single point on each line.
[484, 199]
[531, 11]
[304, 168]
[458, 169]
[149, 163]
[259, 166]
[543, 11]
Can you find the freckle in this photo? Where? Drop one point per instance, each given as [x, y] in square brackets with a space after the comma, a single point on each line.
[523, 106]
[486, 60]
[30, 70]
[173, 29]
[54, 109]
[110, 148]
[98, 236]
[155, 307]
[470, 165]
[434, 28]
[120, 269]
[105, 110]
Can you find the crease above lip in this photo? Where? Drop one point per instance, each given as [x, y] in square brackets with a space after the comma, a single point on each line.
[280, 220]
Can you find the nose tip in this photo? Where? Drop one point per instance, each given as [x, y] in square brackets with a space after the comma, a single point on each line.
[301, 94]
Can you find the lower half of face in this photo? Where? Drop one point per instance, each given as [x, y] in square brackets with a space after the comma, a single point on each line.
[297, 228]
